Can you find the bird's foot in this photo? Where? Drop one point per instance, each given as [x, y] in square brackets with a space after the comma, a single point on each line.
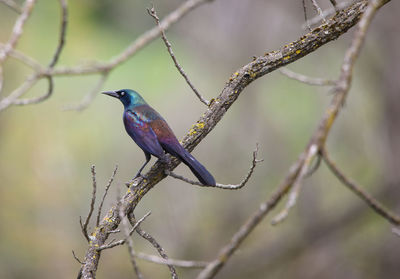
[166, 161]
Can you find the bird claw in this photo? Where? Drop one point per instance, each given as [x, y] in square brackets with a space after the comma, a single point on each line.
[166, 161]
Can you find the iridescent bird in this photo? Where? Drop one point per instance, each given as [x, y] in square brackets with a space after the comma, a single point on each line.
[153, 135]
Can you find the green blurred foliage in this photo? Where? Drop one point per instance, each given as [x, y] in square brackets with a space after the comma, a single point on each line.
[46, 152]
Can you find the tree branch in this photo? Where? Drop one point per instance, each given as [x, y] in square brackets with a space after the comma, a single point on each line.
[254, 162]
[12, 98]
[155, 244]
[110, 181]
[17, 30]
[128, 240]
[262, 65]
[96, 68]
[152, 12]
[318, 139]
[12, 5]
[306, 79]
[87, 220]
[359, 191]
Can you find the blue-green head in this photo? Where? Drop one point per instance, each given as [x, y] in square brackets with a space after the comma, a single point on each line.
[128, 97]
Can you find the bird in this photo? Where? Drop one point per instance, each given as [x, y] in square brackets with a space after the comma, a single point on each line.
[151, 133]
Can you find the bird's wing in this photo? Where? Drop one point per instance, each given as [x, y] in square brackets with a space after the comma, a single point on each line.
[138, 127]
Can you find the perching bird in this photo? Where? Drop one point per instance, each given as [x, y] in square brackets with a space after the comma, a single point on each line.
[153, 135]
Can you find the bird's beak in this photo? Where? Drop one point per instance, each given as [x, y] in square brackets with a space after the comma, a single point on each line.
[111, 93]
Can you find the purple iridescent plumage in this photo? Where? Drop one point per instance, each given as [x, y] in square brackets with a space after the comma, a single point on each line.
[153, 135]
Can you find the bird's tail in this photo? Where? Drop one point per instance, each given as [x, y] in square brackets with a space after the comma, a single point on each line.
[198, 169]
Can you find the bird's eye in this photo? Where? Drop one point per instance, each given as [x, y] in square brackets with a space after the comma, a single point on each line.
[122, 93]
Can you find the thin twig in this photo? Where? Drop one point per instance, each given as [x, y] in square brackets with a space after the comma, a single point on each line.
[318, 9]
[56, 55]
[97, 67]
[241, 234]
[155, 244]
[122, 241]
[297, 185]
[327, 13]
[105, 194]
[24, 87]
[306, 79]
[76, 258]
[153, 13]
[223, 186]
[315, 167]
[127, 233]
[135, 46]
[12, 5]
[25, 59]
[174, 262]
[93, 200]
[305, 15]
[17, 30]
[359, 191]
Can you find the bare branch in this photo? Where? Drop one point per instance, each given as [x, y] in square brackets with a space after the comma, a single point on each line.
[27, 60]
[105, 194]
[227, 251]
[122, 241]
[135, 46]
[318, 9]
[306, 79]
[87, 220]
[315, 167]
[17, 30]
[24, 87]
[153, 13]
[155, 244]
[98, 67]
[76, 258]
[12, 5]
[128, 240]
[223, 186]
[327, 13]
[63, 31]
[318, 138]
[174, 262]
[359, 191]
[239, 80]
[60, 46]
[305, 15]
[293, 195]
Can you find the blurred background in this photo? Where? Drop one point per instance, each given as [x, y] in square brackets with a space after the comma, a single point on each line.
[46, 152]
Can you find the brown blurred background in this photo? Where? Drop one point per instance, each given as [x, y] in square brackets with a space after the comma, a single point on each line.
[46, 152]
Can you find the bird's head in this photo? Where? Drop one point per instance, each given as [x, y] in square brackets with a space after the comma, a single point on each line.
[128, 97]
